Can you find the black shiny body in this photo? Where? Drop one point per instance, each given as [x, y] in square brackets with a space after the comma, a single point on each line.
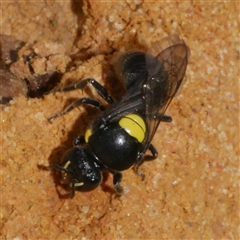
[114, 148]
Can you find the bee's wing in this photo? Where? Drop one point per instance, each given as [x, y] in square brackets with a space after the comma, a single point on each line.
[165, 75]
[132, 101]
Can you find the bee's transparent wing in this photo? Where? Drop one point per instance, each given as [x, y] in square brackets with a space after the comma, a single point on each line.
[166, 72]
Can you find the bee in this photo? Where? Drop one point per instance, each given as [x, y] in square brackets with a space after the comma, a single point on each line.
[121, 134]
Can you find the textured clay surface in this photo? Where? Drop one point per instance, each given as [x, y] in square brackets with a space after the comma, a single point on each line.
[192, 190]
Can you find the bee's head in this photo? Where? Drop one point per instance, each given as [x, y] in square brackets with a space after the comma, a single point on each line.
[79, 170]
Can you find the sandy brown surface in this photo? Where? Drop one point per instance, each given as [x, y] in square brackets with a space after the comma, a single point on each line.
[192, 190]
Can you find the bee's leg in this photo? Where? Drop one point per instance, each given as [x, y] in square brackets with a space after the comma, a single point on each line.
[82, 84]
[117, 178]
[78, 103]
[166, 118]
[154, 153]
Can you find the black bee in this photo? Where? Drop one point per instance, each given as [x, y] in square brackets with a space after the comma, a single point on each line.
[120, 136]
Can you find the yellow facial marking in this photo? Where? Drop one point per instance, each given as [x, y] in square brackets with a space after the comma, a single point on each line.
[79, 184]
[88, 133]
[134, 125]
[66, 165]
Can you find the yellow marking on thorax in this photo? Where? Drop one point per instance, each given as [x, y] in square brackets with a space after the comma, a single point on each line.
[134, 125]
[88, 133]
